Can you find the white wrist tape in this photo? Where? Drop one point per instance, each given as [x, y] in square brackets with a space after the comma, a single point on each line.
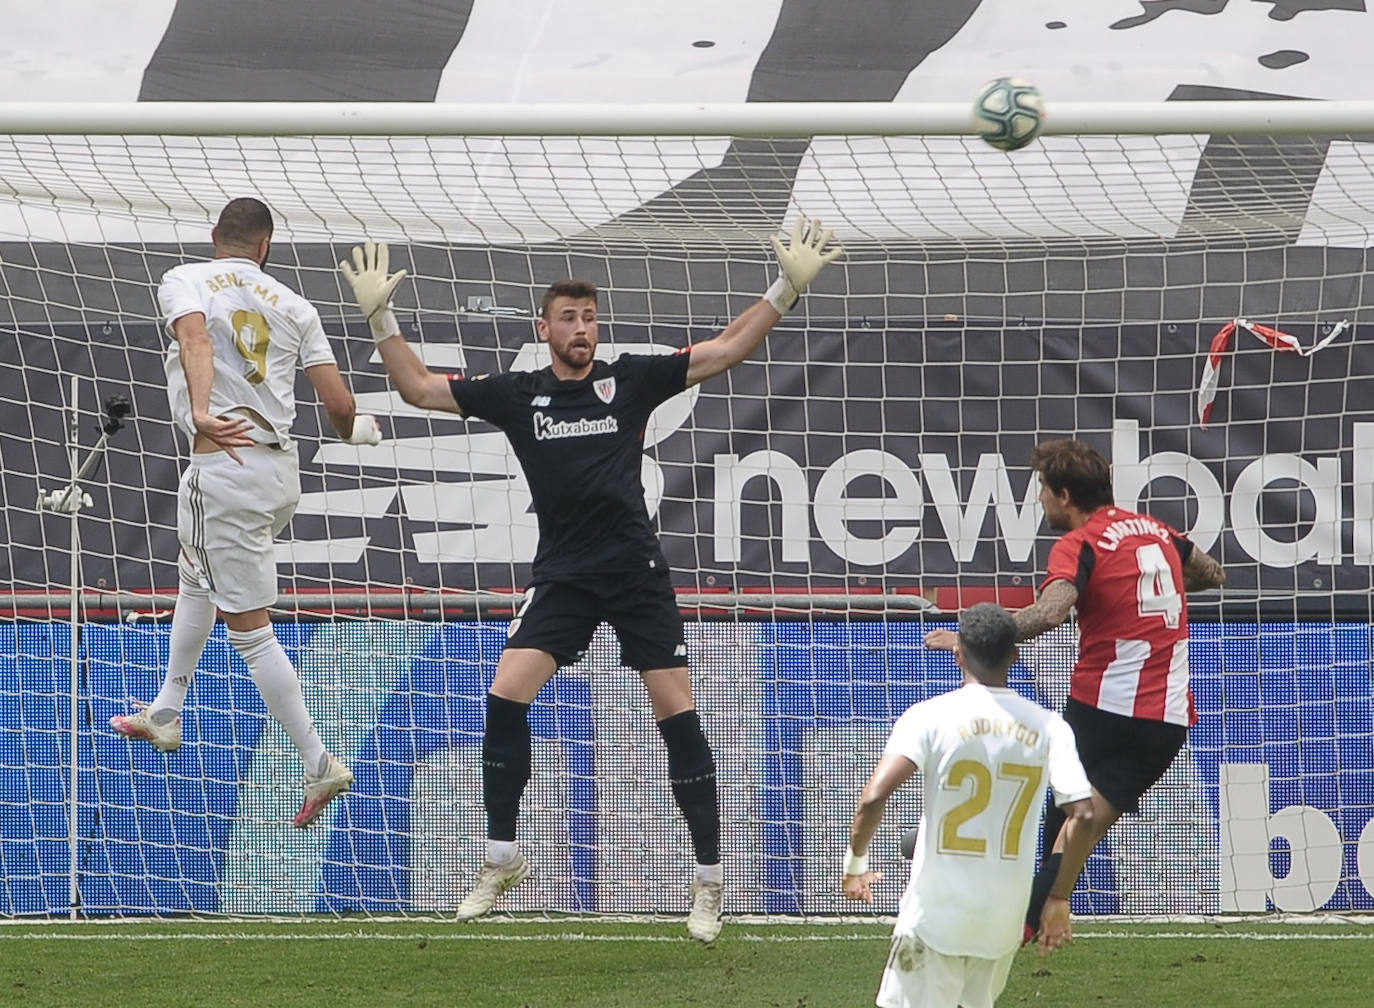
[383, 324]
[365, 430]
[855, 864]
[781, 295]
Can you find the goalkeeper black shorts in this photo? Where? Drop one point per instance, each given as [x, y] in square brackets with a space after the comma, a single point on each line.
[559, 617]
[1123, 756]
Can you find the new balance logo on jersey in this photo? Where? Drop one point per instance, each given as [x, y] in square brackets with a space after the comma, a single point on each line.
[680, 651]
[541, 400]
[605, 389]
[546, 428]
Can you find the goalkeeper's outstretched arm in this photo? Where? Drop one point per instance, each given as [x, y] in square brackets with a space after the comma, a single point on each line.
[372, 288]
[810, 249]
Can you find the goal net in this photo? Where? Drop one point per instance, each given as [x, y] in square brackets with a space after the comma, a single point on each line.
[853, 485]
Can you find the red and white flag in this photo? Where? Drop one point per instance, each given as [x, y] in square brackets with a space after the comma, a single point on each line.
[1221, 346]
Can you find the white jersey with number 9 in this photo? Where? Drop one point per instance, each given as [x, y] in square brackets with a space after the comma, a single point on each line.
[261, 332]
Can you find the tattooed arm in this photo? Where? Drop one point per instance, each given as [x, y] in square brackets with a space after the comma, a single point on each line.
[1048, 611]
[1201, 572]
[1045, 613]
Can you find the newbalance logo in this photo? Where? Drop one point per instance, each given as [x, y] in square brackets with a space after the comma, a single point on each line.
[540, 400]
[680, 651]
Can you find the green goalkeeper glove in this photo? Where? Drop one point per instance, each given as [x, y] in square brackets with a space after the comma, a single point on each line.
[372, 288]
[803, 258]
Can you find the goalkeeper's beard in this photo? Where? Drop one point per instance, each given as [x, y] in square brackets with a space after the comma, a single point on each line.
[575, 357]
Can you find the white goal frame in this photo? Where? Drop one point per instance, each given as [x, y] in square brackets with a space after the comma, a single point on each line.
[783, 120]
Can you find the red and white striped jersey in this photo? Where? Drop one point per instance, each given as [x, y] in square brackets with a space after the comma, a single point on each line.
[1132, 615]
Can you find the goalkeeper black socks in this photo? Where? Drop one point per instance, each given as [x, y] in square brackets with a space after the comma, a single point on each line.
[692, 774]
[505, 764]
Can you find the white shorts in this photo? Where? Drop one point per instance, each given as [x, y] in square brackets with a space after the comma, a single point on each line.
[227, 517]
[919, 977]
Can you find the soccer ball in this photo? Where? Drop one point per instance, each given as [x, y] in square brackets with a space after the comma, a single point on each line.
[1008, 113]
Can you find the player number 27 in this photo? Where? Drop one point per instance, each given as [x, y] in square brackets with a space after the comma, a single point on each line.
[1155, 592]
[1026, 779]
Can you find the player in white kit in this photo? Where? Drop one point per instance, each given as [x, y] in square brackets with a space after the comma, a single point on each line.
[986, 754]
[239, 336]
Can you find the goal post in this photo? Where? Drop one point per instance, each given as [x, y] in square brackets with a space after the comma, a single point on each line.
[822, 506]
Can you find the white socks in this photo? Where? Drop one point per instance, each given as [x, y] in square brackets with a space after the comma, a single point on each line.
[192, 620]
[710, 873]
[501, 852]
[276, 680]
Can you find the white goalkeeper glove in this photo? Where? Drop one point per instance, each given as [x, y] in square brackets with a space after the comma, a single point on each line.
[365, 430]
[803, 258]
[372, 288]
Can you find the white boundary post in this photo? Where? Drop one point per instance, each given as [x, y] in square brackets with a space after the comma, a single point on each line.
[69, 501]
[73, 815]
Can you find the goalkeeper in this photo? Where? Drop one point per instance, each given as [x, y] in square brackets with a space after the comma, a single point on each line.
[577, 427]
[238, 337]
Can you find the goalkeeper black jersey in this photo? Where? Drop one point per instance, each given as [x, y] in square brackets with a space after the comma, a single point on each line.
[580, 444]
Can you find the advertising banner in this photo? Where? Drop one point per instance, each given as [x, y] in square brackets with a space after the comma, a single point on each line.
[845, 456]
[798, 714]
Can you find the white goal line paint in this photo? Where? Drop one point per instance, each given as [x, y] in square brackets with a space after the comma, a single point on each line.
[573, 936]
[740, 921]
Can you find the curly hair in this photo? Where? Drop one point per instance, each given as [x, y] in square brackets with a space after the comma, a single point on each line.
[1076, 467]
[987, 636]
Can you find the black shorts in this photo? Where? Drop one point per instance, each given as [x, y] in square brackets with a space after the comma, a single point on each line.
[1123, 756]
[560, 617]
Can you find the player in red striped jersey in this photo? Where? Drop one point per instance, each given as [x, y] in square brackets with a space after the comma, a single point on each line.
[1127, 574]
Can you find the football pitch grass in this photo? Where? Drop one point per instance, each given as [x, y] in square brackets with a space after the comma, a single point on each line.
[582, 963]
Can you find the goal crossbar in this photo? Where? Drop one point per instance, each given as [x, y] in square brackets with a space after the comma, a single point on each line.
[776, 119]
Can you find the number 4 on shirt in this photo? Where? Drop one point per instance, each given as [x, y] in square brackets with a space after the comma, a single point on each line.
[1156, 594]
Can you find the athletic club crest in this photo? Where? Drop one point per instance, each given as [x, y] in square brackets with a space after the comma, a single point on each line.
[605, 389]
